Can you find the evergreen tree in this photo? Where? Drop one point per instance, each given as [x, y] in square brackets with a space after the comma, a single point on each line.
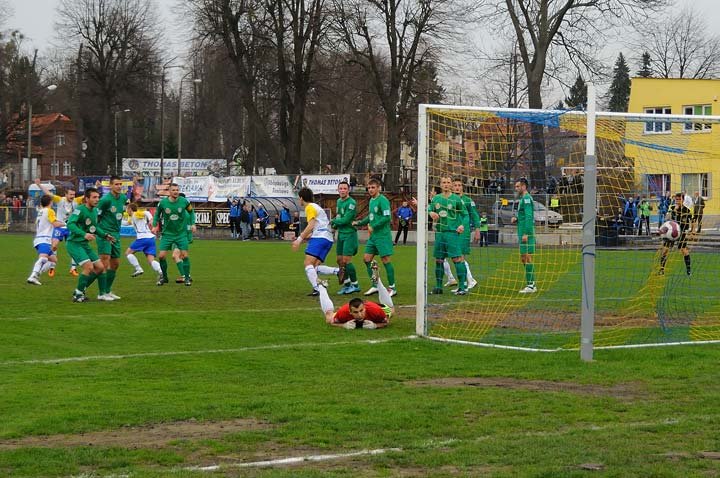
[578, 94]
[645, 70]
[620, 88]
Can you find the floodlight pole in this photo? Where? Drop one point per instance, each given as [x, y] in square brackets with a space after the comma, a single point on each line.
[587, 317]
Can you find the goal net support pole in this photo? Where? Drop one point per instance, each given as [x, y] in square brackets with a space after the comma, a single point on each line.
[587, 315]
[421, 224]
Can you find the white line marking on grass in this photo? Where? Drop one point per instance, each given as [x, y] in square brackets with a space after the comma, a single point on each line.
[203, 352]
[294, 460]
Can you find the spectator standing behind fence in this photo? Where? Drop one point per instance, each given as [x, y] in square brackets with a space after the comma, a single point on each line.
[262, 219]
[404, 214]
[644, 216]
[698, 208]
[629, 213]
[284, 221]
[235, 210]
[483, 227]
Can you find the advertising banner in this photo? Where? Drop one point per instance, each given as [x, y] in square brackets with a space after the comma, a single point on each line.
[191, 167]
[196, 188]
[232, 186]
[203, 217]
[272, 187]
[222, 217]
[323, 184]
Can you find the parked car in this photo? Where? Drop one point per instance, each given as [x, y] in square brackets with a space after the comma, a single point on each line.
[505, 213]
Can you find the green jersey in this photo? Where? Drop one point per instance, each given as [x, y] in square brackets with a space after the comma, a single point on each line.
[526, 216]
[451, 210]
[473, 218]
[110, 212]
[346, 211]
[83, 220]
[174, 216]
[379, 215]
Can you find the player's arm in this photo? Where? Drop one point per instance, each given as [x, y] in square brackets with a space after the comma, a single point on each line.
[474, 216]
[72, 224]
[347, 218]
[156, 218]
[431, 210]
[54, 220]
[362, 222]
[191, 212]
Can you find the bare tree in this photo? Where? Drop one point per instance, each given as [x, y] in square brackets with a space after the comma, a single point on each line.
[574, 27]
[271, 45]
[391, 40]
[116, 45]
[681, 46]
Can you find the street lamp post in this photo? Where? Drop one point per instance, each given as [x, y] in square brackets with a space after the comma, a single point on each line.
[166, 66]
[116, 137]
[29, 138]
[195, 80]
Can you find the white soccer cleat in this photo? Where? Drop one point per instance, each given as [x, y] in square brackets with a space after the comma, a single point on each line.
[105, 298]
[450, 282]
[369, 324]
[350, 324]
[137, 272]
[529, 289]
[372, 290]
[33, 280]
[113, 296]
[392, 291]
[472, 284]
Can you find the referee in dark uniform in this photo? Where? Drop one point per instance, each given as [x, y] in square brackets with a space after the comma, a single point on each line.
[683, 216]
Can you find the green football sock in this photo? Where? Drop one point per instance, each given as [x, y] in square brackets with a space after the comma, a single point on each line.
[186, 263]
[530, 273]
[351, 272]
[390, 270]
[90, 279]
[461, 272]
[368, 266]
[163, 268]
[109, 279]
[439, 274]
[82, 282]
[181, 267]
[102, 283]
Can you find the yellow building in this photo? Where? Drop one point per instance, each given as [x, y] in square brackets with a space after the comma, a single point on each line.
[676, 156]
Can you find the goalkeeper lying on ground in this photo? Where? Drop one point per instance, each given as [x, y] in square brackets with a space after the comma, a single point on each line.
[359, 313]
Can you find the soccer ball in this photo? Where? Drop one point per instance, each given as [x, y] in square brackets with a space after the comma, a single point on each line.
[670, 230]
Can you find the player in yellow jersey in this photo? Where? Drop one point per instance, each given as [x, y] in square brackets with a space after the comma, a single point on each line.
[45, 223]
[65, 206]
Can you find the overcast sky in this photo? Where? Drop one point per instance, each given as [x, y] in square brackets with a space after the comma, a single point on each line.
[36, 18]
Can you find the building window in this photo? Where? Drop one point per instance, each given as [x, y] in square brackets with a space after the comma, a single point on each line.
[697, 182]
[67, 168]
[60, 139]
[652, 127]
[697, 110]
[54, 168]
[658, 184]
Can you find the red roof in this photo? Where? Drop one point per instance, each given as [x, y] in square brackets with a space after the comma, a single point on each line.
[41, 123]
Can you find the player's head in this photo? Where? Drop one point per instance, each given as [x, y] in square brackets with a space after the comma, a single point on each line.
[457, 185]
[46, 200]
[344, 189]
[115, 184]
[91, 197]
[446, 184]
[357, 308]
[521, 186]
[174, 190]
[374, 186]
[70, 194]
[306, 196]
[132, 207]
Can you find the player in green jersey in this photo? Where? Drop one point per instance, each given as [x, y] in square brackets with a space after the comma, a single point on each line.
[450, 216]
[172, 212]
[176, 252]
[84, 228]
[526, 233]
[380, 241]
[110, 210]
[347, 240]
[471, 233]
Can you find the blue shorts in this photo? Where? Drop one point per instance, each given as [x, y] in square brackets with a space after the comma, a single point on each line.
[44, 249]
[146, 246]
[318, 247]
[61, 233]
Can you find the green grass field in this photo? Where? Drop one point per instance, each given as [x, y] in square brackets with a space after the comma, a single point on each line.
[240, 368]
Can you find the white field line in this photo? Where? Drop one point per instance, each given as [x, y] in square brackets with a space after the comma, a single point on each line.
[203, 352]
[294, 460]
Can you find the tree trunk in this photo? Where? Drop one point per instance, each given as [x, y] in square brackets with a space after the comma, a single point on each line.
[392, 153]
[537, 135]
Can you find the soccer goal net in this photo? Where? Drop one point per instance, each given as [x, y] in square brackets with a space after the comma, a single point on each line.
[524, 275]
